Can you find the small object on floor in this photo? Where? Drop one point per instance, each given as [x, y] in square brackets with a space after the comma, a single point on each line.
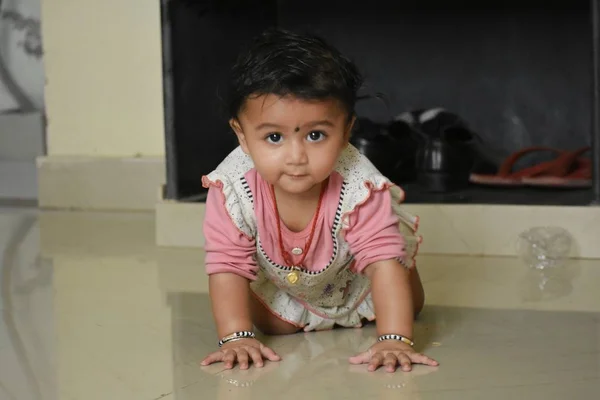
[545, 246]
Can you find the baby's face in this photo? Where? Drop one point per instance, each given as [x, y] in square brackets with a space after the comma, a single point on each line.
[294, 143]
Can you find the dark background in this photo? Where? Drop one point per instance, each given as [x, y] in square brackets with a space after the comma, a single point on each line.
[519, 73]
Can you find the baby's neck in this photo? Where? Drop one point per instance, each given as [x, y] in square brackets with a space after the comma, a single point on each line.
[298, 210]
[310, 196]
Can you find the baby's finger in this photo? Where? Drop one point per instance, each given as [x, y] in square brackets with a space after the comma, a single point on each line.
[212, 358]
[375, 362]
[361, 358]
[390, 361]
[229, 358]
[257, 358]
[405, 362]
[269, 354]
[423, 359]
[242, 357]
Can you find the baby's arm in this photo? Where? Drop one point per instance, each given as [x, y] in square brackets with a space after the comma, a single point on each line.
[397, 293]
[392, 293]
[230, 297]
[392, 298]
[231, 267]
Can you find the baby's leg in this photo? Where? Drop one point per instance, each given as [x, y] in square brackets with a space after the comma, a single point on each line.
[418, 294]
[267, 322]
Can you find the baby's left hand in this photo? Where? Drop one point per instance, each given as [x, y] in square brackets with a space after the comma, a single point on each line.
[391, 354]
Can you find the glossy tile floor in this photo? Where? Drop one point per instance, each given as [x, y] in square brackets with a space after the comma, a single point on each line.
[91, 309]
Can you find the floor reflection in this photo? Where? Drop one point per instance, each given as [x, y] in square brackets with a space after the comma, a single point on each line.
[27, 364]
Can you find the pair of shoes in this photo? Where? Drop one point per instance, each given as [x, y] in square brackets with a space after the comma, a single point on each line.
[448, 151]
[390, 147]
[433, 147]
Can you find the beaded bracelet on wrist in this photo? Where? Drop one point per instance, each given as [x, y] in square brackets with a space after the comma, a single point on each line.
[236, 336]
[396, 337]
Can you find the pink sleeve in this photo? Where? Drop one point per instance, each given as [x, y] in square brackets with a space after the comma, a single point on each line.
[373, 233]
[227, 248]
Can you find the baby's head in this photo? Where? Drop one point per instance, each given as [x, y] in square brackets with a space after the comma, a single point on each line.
[291, 104]
[284, 63]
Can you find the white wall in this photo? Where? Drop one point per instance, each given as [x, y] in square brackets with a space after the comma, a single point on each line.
[103, 77]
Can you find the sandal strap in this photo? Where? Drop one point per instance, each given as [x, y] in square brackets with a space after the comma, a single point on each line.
[506, 169]
[567, 162]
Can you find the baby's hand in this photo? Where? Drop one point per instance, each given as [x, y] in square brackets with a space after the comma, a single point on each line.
[391, 354]
[242, 351]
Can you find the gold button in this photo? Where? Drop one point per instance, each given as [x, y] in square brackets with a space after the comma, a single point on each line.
[297, 251]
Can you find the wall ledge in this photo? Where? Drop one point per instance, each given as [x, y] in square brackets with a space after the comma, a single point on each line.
[99, 183]
[471, 230]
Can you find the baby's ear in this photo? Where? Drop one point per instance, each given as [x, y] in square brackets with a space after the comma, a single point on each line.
[237, 128]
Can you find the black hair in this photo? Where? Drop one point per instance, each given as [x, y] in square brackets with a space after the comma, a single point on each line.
[285, 63]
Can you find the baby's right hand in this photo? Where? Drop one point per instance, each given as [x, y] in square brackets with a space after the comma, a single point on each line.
[242, 351]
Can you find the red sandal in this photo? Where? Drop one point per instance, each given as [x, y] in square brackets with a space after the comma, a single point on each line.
[570, 171]
[507, 177]
[567, 170]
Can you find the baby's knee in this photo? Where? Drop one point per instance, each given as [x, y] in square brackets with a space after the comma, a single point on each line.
[267, 322]
[276, 329]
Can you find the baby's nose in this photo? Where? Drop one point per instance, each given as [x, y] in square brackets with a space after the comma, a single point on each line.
[297, 154]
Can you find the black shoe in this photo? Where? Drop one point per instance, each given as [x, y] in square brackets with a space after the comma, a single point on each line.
[391, 148]
[448, 150]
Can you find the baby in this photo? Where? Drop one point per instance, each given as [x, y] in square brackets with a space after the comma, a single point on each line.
[302, 232]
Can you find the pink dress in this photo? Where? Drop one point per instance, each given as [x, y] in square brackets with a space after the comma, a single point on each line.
[373, 234]
[361, 222]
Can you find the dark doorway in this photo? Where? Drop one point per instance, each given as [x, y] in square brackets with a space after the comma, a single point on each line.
[518, 72]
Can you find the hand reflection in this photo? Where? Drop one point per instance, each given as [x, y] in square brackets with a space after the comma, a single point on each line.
[390, 386]
[245, 378]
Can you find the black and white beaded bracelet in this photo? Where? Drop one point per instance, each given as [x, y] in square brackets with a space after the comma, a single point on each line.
[236, 336]
[396, 337]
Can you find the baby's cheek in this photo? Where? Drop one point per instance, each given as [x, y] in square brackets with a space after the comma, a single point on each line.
[324, 169]
[268, 175]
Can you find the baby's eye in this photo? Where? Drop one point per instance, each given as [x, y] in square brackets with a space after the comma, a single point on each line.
[274, 138]
[316, 136]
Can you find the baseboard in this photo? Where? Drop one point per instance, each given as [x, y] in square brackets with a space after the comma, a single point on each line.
[99, 183]
[473, 230]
